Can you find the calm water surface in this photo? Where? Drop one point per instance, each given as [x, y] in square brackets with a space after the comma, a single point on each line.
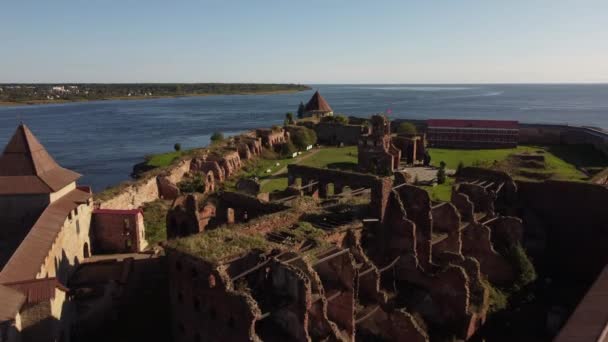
[103, 139]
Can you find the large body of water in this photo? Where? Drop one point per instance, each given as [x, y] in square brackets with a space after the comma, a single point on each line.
[103, 139]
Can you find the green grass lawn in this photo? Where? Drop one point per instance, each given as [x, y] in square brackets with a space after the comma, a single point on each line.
[344, 158]
[561, 163]
[164, 159]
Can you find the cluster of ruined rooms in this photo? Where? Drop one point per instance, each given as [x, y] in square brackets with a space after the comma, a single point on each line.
[335, 256]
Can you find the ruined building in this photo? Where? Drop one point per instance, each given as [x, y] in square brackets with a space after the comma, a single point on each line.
[397, 266]
[377, 154]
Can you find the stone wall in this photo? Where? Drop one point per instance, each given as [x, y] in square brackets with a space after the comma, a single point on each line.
[334, 134]
[563, 134]
[132, 196]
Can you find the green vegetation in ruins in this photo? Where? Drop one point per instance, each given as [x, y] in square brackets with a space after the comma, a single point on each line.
[177, 147]
[304, 230]
[406, 128]
[303, 137]
[525, 275]
[164, 159]
[338, 118]
[155, 220]
[12, 94]
[288, 149]
[217, 244]
[216, 137]
[193, 184]
[344, 158]
[524, 268]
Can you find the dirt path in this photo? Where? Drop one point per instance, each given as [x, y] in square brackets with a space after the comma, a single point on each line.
[284, 168]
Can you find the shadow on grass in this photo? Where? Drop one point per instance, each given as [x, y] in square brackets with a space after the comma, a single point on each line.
[345, 166]
[579, 155]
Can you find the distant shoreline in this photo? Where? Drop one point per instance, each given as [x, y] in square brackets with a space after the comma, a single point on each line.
[139, 97]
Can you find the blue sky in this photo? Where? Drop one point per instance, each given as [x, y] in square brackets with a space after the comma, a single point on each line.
[330, 41]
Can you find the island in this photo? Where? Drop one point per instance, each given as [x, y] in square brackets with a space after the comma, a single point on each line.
[17, 94]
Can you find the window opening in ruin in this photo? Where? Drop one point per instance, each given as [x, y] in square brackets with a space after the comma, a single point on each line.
[77, 227]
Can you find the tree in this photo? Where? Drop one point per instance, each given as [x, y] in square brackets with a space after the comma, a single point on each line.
[301, 109]
[289, 118]
[341, 119]
[406, 128]
[459, 167]
[441, 176]
[288, 149]
[177, 147]
[217, 137]
[194, 184]
[303, 137]
[427, 159]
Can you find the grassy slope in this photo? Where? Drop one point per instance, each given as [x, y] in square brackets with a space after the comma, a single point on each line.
[561, 160]
[164, 159]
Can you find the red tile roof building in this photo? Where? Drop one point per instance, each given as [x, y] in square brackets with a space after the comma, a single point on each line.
[472, 133]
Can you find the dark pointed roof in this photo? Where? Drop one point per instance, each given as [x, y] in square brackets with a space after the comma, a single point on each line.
[317, 104]
[27, 168]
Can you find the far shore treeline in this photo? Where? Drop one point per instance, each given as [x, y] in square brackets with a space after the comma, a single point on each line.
[20, 93]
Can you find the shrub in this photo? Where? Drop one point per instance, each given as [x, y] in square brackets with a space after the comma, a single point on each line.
[523, 266]
[301, 109]
[303, 137]
[288, 149]
[441, 176]
[459, 167]
[217, 137]
[289, 118]
[407, 128]
[177, 147]
[269, 154]
[194, 184]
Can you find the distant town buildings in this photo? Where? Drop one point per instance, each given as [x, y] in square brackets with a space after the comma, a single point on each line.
[472, 133]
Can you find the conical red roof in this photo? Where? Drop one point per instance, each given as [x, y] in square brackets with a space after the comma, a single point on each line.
[27, 168]
[317, 104]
